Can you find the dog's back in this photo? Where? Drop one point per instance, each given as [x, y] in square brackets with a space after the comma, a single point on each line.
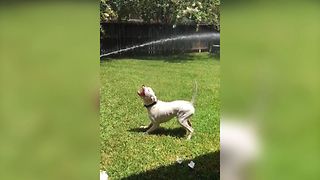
[164, 111]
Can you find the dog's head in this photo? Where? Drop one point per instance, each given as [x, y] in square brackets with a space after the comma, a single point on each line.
[147, 94]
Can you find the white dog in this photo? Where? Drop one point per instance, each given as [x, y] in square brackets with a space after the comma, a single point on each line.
[160, 111]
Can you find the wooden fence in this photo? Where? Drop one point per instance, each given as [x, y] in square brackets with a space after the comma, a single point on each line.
[123, 35]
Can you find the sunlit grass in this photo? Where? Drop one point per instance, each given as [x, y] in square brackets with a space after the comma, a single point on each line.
[126, 151]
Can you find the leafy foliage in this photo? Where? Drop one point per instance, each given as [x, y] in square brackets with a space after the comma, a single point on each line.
[204, 11]
[106, 12]
[162, 11]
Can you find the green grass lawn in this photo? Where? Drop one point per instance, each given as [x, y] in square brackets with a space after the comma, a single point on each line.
[125, 151]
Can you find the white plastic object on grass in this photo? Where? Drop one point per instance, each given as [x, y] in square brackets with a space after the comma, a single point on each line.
[179, 160]
[191, 164]
[103, 175]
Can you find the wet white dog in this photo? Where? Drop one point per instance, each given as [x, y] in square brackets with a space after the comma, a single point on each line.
[160, 112]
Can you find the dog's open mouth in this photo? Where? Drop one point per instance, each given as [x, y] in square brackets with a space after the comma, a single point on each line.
[141, 92]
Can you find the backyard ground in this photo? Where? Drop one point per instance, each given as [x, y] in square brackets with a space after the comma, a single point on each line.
[126, 153]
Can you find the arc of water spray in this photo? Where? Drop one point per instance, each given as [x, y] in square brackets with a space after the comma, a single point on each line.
[209, 36]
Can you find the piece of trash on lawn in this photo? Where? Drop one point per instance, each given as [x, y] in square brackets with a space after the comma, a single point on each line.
[103, 175]
[179, 160]
[191, 164]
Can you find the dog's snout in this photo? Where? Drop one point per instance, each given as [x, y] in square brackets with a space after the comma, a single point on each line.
[142, 85]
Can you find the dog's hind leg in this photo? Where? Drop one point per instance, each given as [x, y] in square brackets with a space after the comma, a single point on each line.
[185, 124]
[189, 122]
[184, 120]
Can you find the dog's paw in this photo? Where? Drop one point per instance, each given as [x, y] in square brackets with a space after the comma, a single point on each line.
[189, 137]
[145, 133]
[143, 127]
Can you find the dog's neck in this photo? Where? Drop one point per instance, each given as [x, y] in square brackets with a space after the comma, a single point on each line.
[150, 105]
[149, 99]
[149, 102]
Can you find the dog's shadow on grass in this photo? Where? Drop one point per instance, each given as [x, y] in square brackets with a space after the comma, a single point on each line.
[175, 132]
[207, 166]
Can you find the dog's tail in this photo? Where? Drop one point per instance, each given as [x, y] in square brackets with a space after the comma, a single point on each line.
[195, 91]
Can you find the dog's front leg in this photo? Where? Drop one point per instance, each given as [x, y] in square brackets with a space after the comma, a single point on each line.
[146, 127]
[153, 127]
